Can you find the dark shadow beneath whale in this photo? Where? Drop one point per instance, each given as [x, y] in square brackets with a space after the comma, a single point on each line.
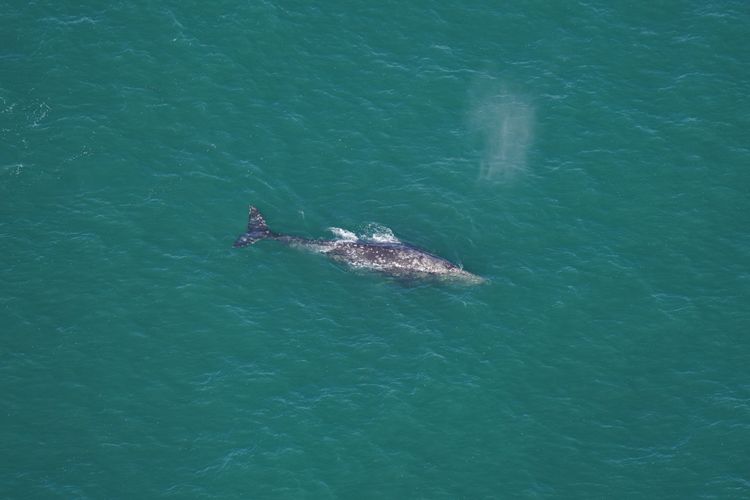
[392, 258]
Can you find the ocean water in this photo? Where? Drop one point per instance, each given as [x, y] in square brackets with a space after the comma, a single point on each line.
[589, 158]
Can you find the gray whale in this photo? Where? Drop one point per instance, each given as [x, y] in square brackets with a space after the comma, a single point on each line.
[391, 258]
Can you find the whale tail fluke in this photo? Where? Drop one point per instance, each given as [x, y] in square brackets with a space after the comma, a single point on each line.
[257, 229]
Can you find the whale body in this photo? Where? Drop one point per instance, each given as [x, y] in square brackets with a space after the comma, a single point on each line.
[392, 258]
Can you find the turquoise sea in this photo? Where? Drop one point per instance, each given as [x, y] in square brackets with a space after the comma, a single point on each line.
[590, 159]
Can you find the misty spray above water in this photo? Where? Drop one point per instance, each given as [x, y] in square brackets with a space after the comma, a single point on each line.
[505, 123]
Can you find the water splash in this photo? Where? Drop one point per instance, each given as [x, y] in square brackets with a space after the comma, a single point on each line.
[505, 122]
[379, 234]
[372, 232]
[343, 234]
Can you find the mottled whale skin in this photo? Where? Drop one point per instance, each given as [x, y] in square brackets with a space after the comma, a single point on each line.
[391, 258]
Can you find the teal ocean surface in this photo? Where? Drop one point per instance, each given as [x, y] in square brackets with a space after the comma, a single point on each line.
[590, 159]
